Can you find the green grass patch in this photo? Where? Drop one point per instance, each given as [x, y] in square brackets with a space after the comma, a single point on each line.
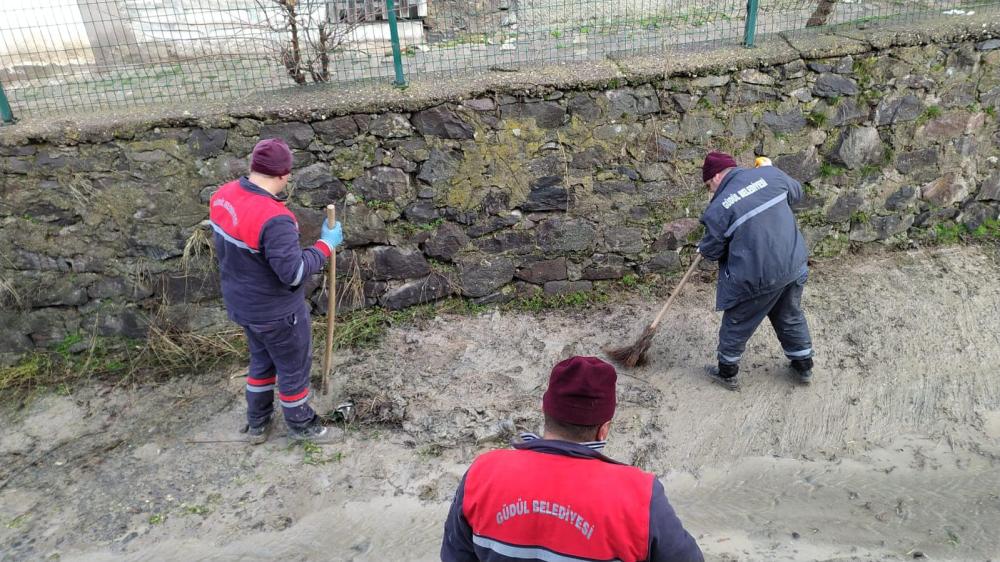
[69, 343]
[358, 329]
[163, 354]
[888, 155]
[832, 246]
[540, 301]
[694, 17]
[827, 170]
[956, 233]
[811, 218]
[464, 39]
[864, 70]
[951, 233]
[876, 19]
[17, 522]
[196, 509]
[931, 112]
[816, 119]
[28, 374]
[869, 170]
[989, 230]
[868, 97]
[377, 205]
[314, 455]
[364, 328]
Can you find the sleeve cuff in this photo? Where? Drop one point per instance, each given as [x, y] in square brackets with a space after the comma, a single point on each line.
[323, 248]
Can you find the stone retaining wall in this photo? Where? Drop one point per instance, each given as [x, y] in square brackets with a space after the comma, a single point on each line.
[506, 193]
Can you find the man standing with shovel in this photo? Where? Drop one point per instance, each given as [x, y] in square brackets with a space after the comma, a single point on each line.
[263, 269]
[751, 231]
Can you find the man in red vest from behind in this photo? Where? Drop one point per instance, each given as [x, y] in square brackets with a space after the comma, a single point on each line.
[558, 498]
[263, 271]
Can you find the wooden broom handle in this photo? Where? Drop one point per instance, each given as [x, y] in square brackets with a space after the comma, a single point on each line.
[673, 295]
[331, 305]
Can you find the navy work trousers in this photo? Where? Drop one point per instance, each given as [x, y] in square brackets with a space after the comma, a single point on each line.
[280, 356]
[783, 307]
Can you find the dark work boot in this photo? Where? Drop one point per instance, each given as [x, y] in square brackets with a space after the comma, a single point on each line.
[725, 375]
[315, 431]
[804, 369]
[257, 435]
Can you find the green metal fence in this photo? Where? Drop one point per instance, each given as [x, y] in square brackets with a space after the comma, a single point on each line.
[59, 55]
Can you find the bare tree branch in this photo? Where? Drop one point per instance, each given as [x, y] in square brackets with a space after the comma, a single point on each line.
[305, 37]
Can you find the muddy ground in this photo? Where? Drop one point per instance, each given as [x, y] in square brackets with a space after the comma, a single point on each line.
[893, 453]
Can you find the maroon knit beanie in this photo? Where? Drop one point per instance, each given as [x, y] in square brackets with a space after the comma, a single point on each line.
[271, 157]
[581, 391]
[715, 162]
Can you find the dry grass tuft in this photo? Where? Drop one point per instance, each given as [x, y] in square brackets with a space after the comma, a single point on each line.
[9, 295]
[199, 248]
[164, 353]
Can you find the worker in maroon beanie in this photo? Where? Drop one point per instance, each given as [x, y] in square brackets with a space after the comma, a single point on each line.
[751, 231]
[263, 269]
[557, 497]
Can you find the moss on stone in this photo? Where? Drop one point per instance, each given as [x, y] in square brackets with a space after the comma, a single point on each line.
[865, 71]
[351, 162]
[834, 245]
[811, 218]
[502, 164]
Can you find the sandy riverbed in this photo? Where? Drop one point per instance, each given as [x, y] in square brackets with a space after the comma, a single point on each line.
[893, 450]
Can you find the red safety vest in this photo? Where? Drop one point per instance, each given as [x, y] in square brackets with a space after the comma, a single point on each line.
[241, 214]
[517, 501]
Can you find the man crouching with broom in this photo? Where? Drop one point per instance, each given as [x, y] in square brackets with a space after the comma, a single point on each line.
[751, 231]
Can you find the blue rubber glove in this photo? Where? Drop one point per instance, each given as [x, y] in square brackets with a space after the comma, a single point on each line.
[332, 237]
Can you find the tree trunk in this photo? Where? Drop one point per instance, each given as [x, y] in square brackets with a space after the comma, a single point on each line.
[293, 59]
[822, 13]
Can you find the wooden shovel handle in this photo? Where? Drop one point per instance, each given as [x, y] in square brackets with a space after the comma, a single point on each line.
[694, 264]
[331, 304]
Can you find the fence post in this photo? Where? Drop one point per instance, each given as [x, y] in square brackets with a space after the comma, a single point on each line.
[6, 115]
[397, 56]
[750, 31]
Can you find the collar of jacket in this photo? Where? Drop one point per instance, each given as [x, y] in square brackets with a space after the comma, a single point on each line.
[595, 445]
[250, 186]
[725, 181]
[564, 448]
